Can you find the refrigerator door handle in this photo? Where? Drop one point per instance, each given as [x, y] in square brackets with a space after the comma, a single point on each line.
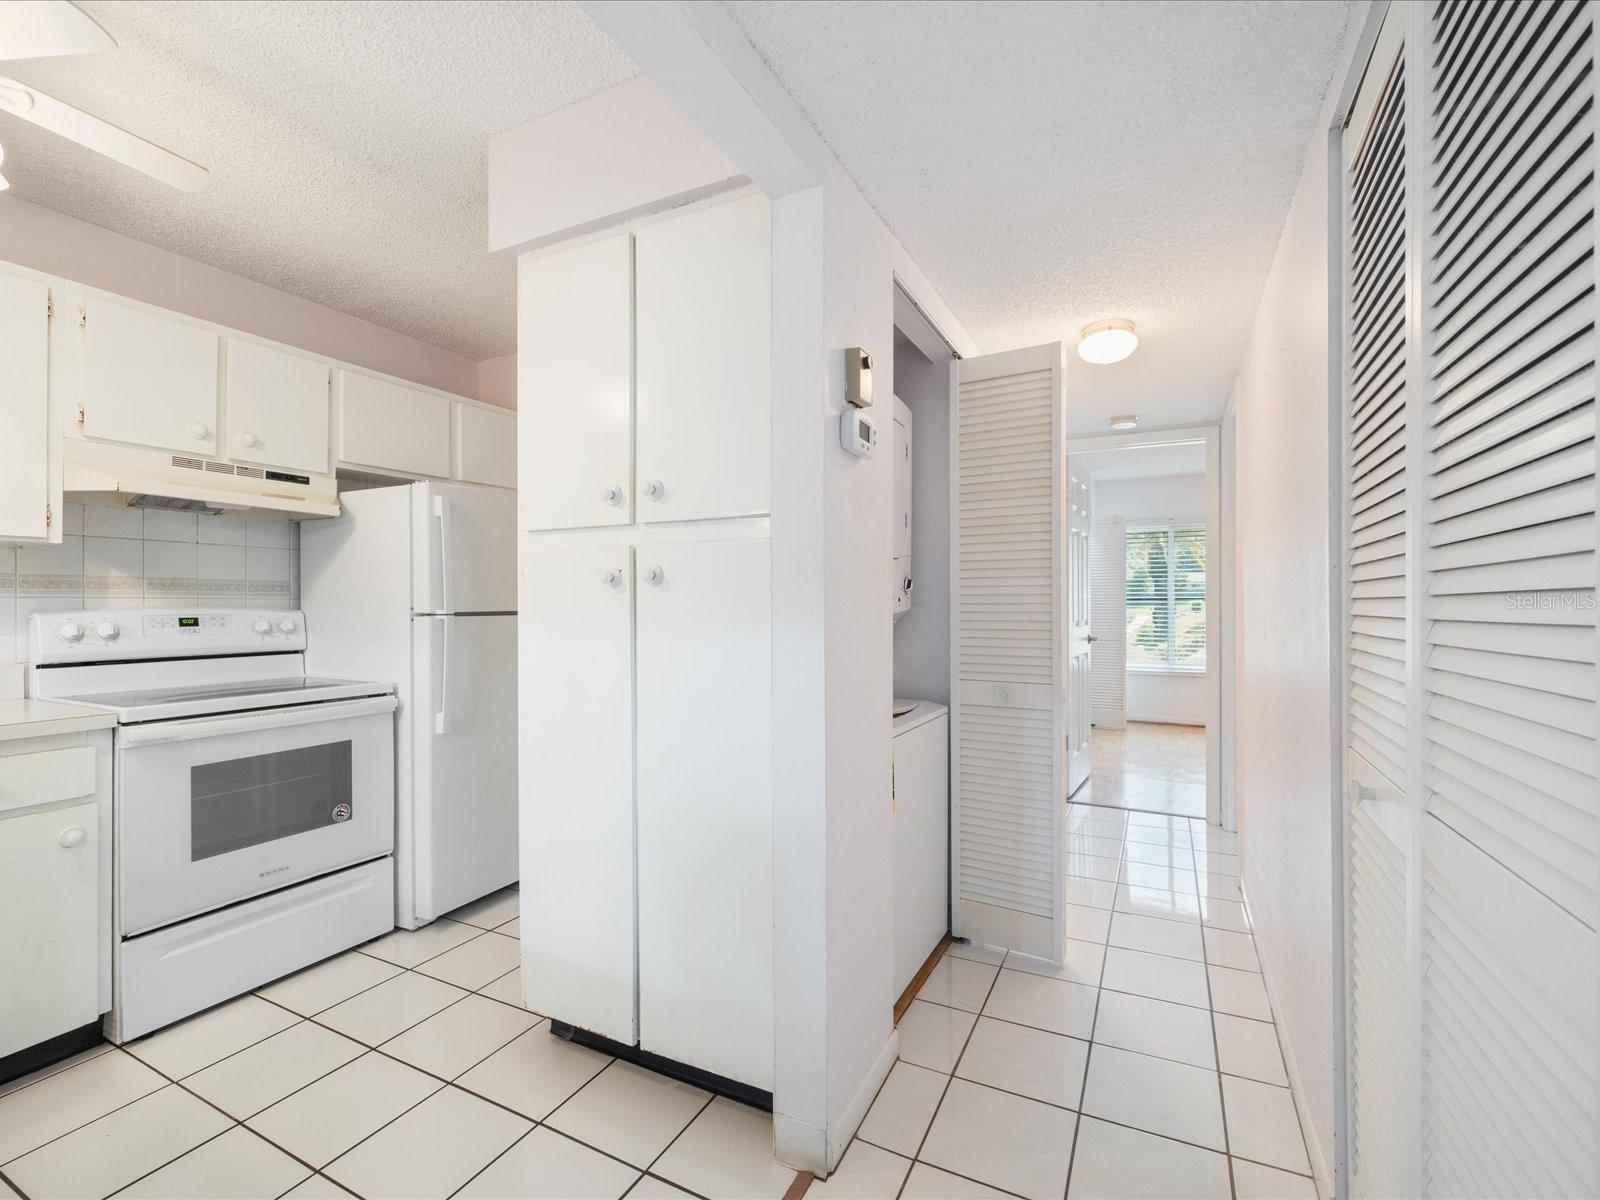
[441, 714]
[441, 513]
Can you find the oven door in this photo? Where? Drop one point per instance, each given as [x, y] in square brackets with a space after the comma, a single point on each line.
[218, 809]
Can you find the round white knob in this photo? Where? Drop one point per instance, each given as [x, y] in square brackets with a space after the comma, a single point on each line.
[70, 632]
[106, 631]
[613, 496]
[654, 489]
[656, 576]
[75, 836]
[261, 625]
[247, 439]
[200, 431]
[286, 624]
[612, 579]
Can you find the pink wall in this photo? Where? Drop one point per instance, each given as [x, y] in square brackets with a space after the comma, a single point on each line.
[49, 241]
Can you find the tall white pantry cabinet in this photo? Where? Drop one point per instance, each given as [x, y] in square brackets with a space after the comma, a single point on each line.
[646, 644]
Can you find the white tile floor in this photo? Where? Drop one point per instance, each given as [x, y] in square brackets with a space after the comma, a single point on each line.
[1146, 1065]
[407, 1068]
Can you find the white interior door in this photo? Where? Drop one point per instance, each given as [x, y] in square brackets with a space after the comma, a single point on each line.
[1076, 719]
[1008, 564]
[1108, 623]
[704, 806]
[576, 781]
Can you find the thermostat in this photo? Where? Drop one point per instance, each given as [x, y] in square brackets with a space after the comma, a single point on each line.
[857, 433]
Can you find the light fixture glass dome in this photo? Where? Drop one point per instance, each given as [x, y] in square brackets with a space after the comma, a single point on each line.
[1107, 341]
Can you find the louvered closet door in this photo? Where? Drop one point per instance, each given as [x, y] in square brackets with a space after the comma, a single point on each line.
[1008, 799]
[1510, 989]
[1108, 623]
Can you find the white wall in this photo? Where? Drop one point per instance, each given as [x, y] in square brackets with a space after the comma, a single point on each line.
[1166, 697]
[922, 634]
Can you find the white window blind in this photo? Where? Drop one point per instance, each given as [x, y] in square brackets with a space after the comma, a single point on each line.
[1165, 598]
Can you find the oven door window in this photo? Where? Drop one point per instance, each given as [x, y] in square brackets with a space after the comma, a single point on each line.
[249, 801]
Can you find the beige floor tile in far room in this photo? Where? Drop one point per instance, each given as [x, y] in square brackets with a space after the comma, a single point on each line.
[1081, 963]
[430, 1151]
[310, 991]
[120, 1147]
[629, 1112]
[1030, 1062]
[864, 1173]
[1116, 1163]
[200, 1041]
[492, 911]
[1249, 1049]
[932, 1035]
[1224, 948]
[1091, 893]
[245, 1083]
[322, 1121]
[1151, 875]
[1252, 1181]
[1263, 1125]
[958, 983]
[1158, 902]
[508, 990]
[1089, 866]
[1219, 887]
[59, 1103]
[1155, 1027]
[1159, 975]
[726, 1154]
[930, 1183]
[546, 1166]
[977, 952]
[379, 1013]
[238, 1165]
[649, 1187]
[1239, 993]
[1086, 924]
[1010, 1142]
[1155, 1095]
[477, 963]
[1154, 935]
[411, 947]
[318, 1187]
[535, 1073]
[459, 1037]
[903, 1109]
[1051, 1004]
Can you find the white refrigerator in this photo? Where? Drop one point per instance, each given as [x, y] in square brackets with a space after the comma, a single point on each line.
[417, 585]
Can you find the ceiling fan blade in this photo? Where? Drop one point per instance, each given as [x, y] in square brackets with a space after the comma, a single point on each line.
[46, 28]
[102, 137]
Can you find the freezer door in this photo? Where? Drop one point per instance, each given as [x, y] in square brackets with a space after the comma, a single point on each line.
[464, 783]
[465, 558]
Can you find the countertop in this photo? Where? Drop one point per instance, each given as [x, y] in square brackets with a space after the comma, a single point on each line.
[41, 718]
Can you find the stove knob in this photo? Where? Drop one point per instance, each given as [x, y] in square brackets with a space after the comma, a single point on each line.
[286, 625]
[70, 632]
[106, 631]
[262, 626]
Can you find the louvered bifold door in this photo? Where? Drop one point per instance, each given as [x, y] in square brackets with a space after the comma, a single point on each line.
[1510, 990]
[1007, 797]
[1108, 623]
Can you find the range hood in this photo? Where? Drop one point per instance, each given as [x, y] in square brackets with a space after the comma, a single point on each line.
[155, 479]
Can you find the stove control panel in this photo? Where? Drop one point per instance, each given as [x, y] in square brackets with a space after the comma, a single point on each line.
[128, 634]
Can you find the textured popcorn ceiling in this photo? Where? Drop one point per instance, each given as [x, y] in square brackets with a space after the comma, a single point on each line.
[1049, 164]
[345, 143]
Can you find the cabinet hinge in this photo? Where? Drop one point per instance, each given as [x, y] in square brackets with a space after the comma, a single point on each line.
[83, 317]
[49, 516]
[80, 416]
[49, 308]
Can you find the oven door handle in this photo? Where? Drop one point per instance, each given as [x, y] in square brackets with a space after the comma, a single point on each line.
[159, 733]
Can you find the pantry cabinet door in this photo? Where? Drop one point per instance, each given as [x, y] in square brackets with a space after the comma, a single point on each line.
[148, 378]
[485, 446]
[575, 386]
[705, 806]
[277, 406]
[25, 407]
[704, 283]
[575, 775]
[388, 427]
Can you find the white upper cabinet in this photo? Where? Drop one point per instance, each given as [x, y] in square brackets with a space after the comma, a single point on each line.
[277, 405]
[380, 425]
[574, 386]
[148, 377]
[26, 502]
[485, 446]
[703, 366]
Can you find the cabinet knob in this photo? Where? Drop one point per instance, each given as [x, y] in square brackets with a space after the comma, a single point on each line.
[75, 836]
[656, 576]
[613, 496]
[200, 431]
[612, 579]
[654, 489]
[247, 439]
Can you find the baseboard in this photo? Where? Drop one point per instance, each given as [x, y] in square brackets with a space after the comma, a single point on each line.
[856, 1111]
[1314, 1149]
[798, 1144]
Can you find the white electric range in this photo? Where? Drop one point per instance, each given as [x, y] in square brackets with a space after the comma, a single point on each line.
[253, 805]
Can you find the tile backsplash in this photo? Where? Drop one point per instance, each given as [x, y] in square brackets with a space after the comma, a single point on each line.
[116, 557]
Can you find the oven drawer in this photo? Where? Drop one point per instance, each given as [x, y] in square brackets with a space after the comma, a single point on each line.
[216, 810]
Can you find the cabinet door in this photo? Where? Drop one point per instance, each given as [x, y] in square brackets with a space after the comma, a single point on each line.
[25, 407]
[385, 426]
[148, 378]
[49, 941]
[485, 446]
[574, 386]
[704, 336]
[575, 775]
[705, 806]
[277, 406]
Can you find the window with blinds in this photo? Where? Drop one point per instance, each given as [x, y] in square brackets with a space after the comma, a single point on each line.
[1165, 597]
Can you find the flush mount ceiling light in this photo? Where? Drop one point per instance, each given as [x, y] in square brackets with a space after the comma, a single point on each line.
[1125, 422]
[1107, 341]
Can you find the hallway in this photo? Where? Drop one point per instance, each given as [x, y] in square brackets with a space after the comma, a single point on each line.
[1150, 767]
